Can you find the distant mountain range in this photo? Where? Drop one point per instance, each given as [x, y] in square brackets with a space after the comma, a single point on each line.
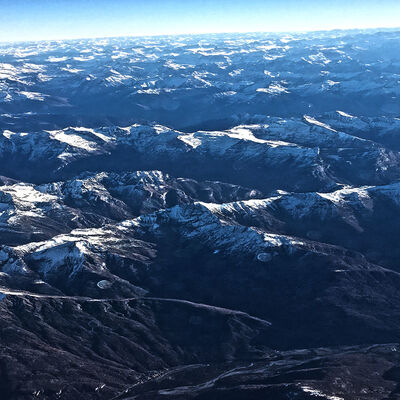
[201, 217]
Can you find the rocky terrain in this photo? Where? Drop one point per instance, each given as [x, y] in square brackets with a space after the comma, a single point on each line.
[211, 217]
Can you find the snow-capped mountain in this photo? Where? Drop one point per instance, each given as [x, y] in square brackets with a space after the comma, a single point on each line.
[206, 217]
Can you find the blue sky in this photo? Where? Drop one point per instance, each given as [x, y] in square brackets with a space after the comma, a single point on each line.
[62, 19]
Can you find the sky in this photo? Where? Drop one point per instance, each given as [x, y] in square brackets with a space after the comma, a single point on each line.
[22, 20]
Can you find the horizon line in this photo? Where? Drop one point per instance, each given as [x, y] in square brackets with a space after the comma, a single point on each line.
[297, 31]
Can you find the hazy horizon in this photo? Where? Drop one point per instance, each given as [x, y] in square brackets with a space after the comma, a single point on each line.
[377, 29]
[24, 20]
